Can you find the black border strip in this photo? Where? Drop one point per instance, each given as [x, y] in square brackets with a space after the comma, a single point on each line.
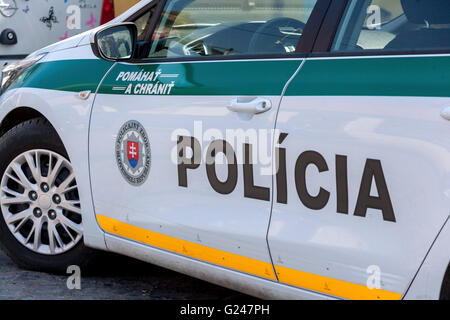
[13, 56]
[366, 53]
[143, 46]
[291, 56]
[330, 25]
[309, 36]
[156, 16]
[140, 13]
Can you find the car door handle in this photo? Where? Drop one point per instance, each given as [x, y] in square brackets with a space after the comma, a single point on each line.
[256, 106]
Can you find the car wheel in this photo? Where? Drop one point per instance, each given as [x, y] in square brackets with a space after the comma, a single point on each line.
[41, 225]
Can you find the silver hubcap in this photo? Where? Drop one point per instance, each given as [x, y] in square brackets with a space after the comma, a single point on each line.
[40, 202]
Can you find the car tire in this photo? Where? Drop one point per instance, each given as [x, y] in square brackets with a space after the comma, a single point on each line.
[38, 134]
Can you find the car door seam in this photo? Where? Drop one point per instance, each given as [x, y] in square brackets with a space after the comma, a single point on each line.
[273, 162]
[89, 149]
[426, 256]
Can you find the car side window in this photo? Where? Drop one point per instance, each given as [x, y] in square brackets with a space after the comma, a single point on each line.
[142, 22]
[196, 28]
[394, 25]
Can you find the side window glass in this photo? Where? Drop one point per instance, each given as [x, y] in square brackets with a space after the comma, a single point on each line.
[193, 28]
[394, 25]
[142, 23]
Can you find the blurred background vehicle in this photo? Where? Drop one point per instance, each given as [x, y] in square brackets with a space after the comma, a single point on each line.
[120, 6]
[28, 25]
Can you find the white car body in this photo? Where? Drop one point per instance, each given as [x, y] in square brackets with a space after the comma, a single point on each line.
[271, 249]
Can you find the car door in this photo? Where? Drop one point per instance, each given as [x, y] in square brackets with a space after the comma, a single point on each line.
[365, 152]
[181, 141]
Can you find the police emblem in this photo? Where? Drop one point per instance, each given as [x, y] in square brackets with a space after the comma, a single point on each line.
[133, 153]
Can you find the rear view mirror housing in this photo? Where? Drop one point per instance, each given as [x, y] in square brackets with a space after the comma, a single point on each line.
[115, 42]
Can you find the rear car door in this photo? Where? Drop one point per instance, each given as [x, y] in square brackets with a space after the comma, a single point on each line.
[181, 141]
[366, 151]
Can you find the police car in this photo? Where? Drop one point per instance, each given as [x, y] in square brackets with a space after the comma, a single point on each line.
[285, 149]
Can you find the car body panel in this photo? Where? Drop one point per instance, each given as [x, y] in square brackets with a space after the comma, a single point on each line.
[387, 113]
[197, 101]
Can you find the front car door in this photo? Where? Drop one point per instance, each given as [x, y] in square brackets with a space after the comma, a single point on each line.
[367, 152]
[181, 141]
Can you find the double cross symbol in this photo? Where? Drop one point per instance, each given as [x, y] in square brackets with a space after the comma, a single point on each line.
[132, 151]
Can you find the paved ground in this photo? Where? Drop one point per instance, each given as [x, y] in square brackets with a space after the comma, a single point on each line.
[122, 278]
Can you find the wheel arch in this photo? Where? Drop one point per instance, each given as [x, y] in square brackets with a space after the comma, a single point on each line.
[23, 114]
[19, 115]
[71, 126]
[445, 289]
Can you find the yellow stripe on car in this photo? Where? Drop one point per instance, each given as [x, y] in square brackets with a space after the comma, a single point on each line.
[259, 268]
[186, 248]
[334, 287]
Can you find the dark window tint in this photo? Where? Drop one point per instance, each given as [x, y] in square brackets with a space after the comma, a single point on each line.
[394, 25]
[195, 28]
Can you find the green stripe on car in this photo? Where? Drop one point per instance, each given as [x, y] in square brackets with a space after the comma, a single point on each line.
[368, 76]
[374, 76]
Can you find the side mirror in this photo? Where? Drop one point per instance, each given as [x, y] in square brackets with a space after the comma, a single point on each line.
[116, 42]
